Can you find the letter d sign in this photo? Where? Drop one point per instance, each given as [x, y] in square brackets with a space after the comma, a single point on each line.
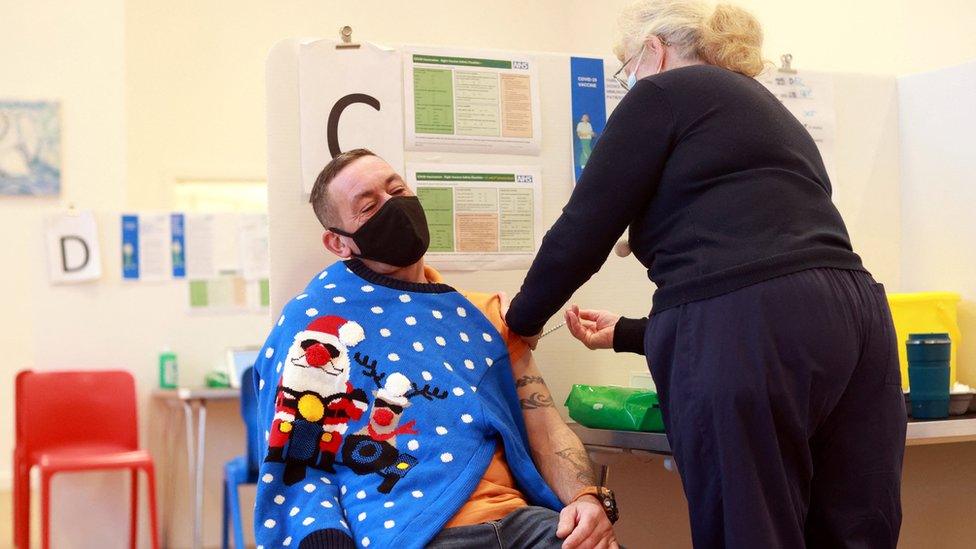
[79, 254]
[72, 248]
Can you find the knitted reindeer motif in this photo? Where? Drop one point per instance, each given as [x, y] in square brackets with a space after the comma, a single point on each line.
[373, 449]
[427, 392]
[369, 369]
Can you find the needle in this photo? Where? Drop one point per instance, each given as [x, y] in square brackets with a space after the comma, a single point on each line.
[553, 329]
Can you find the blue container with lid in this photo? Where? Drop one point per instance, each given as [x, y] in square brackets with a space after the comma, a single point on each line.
[928, 374]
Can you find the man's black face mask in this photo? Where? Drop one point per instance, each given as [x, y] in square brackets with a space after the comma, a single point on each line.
[396, 235]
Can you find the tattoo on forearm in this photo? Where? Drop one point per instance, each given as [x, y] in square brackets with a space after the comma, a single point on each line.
[537, 400]
[580, 463]
[528, 380]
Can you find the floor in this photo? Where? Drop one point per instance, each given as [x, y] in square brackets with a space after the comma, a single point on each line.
[7, 519]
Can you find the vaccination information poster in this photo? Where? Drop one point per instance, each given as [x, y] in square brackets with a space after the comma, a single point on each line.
[146, 247]
[613, 90]
[589, 108]
[595, 94]
[471, 101]
[480, 217]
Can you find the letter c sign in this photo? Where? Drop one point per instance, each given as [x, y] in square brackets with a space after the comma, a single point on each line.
[332, 128]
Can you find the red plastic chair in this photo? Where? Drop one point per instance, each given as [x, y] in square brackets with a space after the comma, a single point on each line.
[76, 421]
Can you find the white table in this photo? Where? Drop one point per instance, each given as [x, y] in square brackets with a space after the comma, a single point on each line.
[920, 432]
[194, 402]
[609, 441]
[941, 431]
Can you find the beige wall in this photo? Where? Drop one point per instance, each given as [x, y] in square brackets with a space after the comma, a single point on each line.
[157, 90]
[72, 52]
[938, 162]
[194, 64]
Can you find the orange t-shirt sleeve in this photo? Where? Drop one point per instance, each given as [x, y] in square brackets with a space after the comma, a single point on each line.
[491, 306]
[496, 494]
[493, 498]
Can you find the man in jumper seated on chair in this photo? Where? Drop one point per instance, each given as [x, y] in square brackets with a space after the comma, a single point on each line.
[401, 412]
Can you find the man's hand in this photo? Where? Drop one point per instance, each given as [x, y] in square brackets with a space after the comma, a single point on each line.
[584, 525]
[531, 341]
[593, 328]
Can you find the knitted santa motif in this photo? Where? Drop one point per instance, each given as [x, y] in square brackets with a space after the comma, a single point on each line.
[382, 401]
[315, 400]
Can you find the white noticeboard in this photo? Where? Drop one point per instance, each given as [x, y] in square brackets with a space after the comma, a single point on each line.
[72, 248]
[471, 101]
[810, 97]
[350, 98]
[866, 165]
[480, 217]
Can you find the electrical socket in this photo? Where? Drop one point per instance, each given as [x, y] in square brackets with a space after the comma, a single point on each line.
[641, 380]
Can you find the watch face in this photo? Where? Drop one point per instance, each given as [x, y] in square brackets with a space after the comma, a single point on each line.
[609, 504]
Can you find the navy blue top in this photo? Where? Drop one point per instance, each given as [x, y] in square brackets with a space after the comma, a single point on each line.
[720, 186]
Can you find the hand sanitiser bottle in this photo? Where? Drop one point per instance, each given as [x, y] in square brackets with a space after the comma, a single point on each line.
[167, 369]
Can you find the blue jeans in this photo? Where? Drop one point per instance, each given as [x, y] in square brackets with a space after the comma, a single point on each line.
[528, 527]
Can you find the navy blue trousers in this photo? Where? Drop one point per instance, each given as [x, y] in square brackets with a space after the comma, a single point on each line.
[784, 409]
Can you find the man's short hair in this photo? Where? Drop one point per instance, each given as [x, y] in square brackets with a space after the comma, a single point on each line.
[320, 200]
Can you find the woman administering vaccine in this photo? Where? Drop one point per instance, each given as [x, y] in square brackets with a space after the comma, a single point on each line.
[771, 347]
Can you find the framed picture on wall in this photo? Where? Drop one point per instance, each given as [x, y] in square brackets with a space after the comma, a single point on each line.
[30, 148]
[238, 360]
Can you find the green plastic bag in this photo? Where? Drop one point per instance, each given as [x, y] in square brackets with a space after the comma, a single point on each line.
[620, 408]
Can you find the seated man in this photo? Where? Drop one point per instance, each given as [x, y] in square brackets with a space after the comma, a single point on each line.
[401, 413]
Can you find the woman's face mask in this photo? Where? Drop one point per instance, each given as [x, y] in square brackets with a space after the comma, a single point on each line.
[632, 79]
[636, 60]
[396, 235]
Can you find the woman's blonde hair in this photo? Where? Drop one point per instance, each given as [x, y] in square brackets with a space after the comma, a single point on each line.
[726, 36]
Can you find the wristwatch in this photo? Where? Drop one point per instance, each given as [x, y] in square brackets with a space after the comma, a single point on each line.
[605, 495]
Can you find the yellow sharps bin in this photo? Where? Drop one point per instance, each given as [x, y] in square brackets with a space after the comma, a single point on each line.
[922, 313]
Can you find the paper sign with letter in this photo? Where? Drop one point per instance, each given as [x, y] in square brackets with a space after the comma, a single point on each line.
[471, 101]
[72, 248]
[350, 98]
[480, 217]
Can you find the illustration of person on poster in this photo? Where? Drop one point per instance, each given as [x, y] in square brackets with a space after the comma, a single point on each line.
[584, 131]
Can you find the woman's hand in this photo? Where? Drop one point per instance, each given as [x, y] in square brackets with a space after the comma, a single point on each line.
[593, 328]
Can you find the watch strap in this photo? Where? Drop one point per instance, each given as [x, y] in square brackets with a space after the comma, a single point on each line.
[606, 499]
[588, 491]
